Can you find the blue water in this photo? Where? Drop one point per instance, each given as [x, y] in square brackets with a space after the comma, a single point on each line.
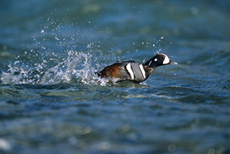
[52, 102]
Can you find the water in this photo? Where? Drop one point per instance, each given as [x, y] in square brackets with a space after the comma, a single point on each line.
[51, 101]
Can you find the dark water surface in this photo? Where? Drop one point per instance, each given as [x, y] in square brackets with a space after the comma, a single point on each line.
[51, 101]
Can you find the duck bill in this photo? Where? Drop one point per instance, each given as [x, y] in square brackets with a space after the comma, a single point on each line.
[173, 62]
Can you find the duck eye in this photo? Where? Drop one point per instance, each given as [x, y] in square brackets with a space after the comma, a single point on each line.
[155, 59]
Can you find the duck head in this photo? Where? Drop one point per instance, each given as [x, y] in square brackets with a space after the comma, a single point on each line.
[159, 60]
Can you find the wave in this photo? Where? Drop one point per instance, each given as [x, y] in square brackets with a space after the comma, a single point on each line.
[213, 58]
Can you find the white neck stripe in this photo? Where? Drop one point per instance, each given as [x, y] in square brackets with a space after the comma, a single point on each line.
[150, 63]
[142, 70]
[129, 69]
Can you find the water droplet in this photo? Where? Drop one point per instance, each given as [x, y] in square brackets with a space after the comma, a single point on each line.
[4, 145]
[56, 38]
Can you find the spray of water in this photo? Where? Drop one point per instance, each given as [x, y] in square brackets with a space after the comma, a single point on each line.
[48, 67]
[77, 67]
[52, 58]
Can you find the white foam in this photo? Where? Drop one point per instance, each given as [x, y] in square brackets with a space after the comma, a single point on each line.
[77, 66]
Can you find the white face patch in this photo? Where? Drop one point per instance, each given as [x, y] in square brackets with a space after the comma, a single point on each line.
[142, 70]
[129, 69]
[155, 59]
[166, 60]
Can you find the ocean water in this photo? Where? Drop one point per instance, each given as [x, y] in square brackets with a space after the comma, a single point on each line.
[52, 102]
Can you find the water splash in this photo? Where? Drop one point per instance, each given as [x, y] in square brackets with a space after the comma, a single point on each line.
[77, 67]
[53, 59]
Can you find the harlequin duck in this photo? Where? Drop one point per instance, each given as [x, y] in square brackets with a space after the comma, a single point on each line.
[133, 71]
